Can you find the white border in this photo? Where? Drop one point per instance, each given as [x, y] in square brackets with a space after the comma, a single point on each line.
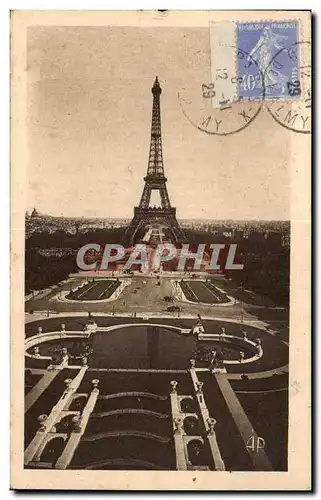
[5, 212]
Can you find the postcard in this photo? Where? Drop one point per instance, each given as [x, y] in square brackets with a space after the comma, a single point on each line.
[161, 178]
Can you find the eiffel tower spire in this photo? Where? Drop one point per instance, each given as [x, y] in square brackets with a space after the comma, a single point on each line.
[155, 162]
[155, 179]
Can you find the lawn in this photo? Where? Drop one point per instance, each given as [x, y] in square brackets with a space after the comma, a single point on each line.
[95, 290]
[201, 291]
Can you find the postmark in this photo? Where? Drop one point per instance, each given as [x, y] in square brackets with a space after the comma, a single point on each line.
[293, 110]
[216, 106]
[232, 92]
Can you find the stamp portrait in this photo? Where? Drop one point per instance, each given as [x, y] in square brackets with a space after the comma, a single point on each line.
[262, 41]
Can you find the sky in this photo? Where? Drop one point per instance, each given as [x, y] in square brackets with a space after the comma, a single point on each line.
[89, 116]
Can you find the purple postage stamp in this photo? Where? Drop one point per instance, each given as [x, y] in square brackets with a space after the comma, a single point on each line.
[273, 47]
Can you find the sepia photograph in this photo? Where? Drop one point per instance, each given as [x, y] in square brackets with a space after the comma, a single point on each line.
[160, 233]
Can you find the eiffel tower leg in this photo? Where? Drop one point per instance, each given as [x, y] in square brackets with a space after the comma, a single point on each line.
[178, 232]
[145, 199]
[164, 197]
[132, 229]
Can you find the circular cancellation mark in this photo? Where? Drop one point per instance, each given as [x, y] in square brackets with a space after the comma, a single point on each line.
[291, 110]
[230, 101]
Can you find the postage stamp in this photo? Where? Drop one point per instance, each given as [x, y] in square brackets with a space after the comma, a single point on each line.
[236, 73]
[262, 41]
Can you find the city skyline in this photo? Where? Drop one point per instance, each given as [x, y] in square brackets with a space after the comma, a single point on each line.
[40, 215]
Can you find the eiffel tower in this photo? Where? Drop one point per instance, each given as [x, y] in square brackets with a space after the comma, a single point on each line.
[164, 216]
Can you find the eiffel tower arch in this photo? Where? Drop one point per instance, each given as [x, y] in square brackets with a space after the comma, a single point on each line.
[164, 215]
